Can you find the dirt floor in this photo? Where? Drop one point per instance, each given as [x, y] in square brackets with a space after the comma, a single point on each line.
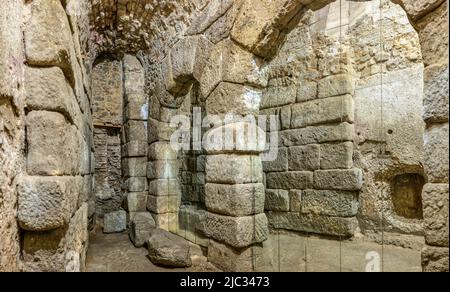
[282, 252]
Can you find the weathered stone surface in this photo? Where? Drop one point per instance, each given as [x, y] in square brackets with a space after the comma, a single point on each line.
[280, 164]
[48, 38]
[161, 151]
[295, 197]
[115, 222]
[11, 49]
[336, 85]
[167, 221]
[235, 200]
[136, 202]
[344, 180]
[318, 224]
[167, 249]
[417, 9]
[134, 79]
[134, 149]
[46, 203]
[299, 180]
[136, 184]
[275, 96]
[228, 62]
[435, 259]
[233, 169]
[163, 204]
[237, 231]
[304, 158]
[136, 107]
[436, 153]
[277, 200]
[436, 94]
[336, 156]
[47, 89]
[329, 203]
[322, 111]
[134, 166]
[164, 187]
[140, 228]
[435, 214]
[318, 134]
[433, 34]
[246, 137]
[233, 98]
[53, 145]
[230, 259]
[163, 169]
[213, 11]
[135, 131]
[158, 131]
[191, 224]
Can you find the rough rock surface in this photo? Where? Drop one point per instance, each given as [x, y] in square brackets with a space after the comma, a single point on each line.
[167, 249]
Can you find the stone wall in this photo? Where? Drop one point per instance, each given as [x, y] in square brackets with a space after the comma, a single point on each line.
[313, 185]
[55, 184]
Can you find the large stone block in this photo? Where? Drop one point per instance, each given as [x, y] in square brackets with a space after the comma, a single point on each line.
[336, 156]
[163, 204]
[436, 93]
[163, 169]
[213, 11]
[228, 62]
[235, 200]
[47, 89]
[319, 224]
[46, 203]
[167, 249]
[135, 149]
[277, 200]
[336, 85]
[53, 145]
[135, 131]
[276, 96]
[136, 107]
[115, 222]
[329, 203]
[280, 164]
[158, 131]
[344, 180]
[435, 214]
[11, 48]
[141, 227]
[231, 98]
[436, 153]
[136, 202]
[135, 184]
[233, 169]
[319, 134]
[323, 111]
[230, 259]
[168, 221]
[134, 166]
[246, 137]
[164, 187]
[161, 151]
[48, 37]
[303, 158]
[433, 34]
[435, 259]
[134, 75]
[419, 8]
[295, 180]
[237, 231]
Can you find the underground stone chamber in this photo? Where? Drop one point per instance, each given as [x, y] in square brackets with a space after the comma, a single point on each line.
[92, 93]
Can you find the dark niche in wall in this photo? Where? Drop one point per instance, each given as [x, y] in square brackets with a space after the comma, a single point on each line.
[407, 195]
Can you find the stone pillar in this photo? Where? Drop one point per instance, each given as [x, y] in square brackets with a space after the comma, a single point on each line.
[53, 194]
[134, 141]
[432, 25]
[234, 193]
